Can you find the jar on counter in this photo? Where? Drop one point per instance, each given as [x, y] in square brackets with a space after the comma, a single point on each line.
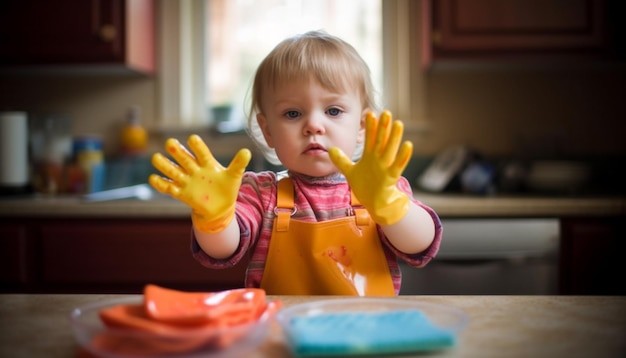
[89, 157]
[51, 150]
[133, 137]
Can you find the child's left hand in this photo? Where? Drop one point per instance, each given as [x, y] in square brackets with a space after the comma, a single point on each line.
[374, 177]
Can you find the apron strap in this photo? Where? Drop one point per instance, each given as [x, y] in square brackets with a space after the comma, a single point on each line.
[361, 215]
[285, 207]
[284, 204]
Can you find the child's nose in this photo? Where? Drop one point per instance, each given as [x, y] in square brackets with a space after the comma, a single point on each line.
[313, 124]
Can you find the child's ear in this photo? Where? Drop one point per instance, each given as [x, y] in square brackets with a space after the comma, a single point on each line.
[261, 120]
[361, 135]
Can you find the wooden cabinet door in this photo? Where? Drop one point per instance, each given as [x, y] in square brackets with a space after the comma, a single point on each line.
[71, 32]
[482, 27]
[592, 251]
[123, 255]
[14, 260]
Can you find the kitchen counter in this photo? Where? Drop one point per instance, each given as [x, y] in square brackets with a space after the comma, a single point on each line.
[511, 326]
[446, 205]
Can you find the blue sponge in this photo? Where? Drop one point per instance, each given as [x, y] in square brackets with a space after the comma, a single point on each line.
[364, 333]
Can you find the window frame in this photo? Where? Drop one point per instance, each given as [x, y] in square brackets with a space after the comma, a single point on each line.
[181, 57]
[181, 91]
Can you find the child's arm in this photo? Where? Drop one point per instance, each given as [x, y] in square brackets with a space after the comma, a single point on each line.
[374, 178]
[413, 233]
[207, 187]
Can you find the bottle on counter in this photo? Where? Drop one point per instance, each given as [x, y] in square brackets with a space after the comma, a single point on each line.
[89, 157]
[133, 137]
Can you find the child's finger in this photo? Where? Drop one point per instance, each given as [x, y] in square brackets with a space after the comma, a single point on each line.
[390, 151]
[382, 135]
[402, 159]
[239, 162]
[371, 124]
[341, 161]
[182, 156]
[168, 168]
[202, 152]
[163, 185]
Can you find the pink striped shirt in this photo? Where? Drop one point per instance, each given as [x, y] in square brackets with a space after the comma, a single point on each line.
[316, 199]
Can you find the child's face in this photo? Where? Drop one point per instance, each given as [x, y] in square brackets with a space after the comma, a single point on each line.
[302, 120]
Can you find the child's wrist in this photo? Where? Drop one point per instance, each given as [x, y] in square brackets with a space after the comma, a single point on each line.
[213, 225]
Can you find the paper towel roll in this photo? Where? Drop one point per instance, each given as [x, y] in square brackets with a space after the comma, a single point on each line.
[13, 149]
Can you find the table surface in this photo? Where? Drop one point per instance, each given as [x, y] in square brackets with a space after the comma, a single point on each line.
[33, 325]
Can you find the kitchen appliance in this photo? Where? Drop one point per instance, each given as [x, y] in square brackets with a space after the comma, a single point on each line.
[14, 166]
[490, 257]
[445, 167]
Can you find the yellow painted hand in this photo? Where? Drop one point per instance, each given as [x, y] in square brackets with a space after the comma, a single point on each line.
[374, 177]
[201, 182]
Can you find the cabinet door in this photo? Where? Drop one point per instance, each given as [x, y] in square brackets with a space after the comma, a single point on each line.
[592, 251]
[14, 260]
[480, 27]
[124, 255]
[76, 32]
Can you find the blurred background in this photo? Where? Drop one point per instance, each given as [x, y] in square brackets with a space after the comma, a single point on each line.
[512, 79]
[510, 100]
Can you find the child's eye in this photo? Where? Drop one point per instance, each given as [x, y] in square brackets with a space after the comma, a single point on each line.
[292, 114]
[334, 112]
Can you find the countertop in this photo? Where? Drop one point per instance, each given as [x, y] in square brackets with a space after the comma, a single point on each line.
[446, 205]
[511, 326]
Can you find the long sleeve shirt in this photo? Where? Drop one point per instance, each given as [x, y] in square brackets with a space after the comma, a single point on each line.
[316, 199]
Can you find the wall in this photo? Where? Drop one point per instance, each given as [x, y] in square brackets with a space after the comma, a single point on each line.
[499, 110]
[96, 104]
[561, 110]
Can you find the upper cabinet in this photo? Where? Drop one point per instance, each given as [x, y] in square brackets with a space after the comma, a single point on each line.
[520, 28]
[86, 34]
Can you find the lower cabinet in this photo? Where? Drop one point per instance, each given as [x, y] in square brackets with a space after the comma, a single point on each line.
[77, 255]
[592, 256]
[104, 255]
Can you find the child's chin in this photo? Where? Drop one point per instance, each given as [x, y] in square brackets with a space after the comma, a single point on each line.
[318, 170]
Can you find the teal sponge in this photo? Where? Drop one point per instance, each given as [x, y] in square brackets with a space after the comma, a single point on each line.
[360, 333]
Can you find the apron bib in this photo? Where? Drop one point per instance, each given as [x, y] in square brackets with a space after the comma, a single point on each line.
[336, 257]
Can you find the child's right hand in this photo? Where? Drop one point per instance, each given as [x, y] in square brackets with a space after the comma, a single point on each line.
[201, 182]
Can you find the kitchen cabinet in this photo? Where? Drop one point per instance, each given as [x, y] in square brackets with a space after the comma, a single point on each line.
[13, 256]
[592, 254]
[519, 28]
[118, 255]
[104, 255]
[90, 34]
[55, 244]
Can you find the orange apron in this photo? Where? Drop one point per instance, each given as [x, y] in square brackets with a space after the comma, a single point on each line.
[336, 257]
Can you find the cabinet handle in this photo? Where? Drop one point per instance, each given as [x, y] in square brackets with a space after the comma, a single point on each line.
[107, 33]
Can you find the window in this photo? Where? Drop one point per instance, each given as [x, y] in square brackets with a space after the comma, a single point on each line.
[242, 32]
[211, 48]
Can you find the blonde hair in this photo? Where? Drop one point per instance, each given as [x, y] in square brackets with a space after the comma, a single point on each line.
[334, 63]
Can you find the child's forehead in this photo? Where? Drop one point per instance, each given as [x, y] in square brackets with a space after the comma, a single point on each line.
[335, 85]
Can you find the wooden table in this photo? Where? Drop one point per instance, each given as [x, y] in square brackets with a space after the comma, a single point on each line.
[500, 326]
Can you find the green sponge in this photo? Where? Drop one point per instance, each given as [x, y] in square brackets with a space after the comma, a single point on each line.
[360, 333]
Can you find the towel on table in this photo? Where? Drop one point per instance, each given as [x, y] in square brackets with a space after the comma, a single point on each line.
[363, 333]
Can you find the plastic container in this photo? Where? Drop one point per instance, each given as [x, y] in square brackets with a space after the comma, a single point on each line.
[89, 156]
[133, 138]
[89, 330]
[307, 337]
[51, 151]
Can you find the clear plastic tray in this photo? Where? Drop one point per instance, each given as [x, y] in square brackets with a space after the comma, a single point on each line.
[440, 319]
[224, 342]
